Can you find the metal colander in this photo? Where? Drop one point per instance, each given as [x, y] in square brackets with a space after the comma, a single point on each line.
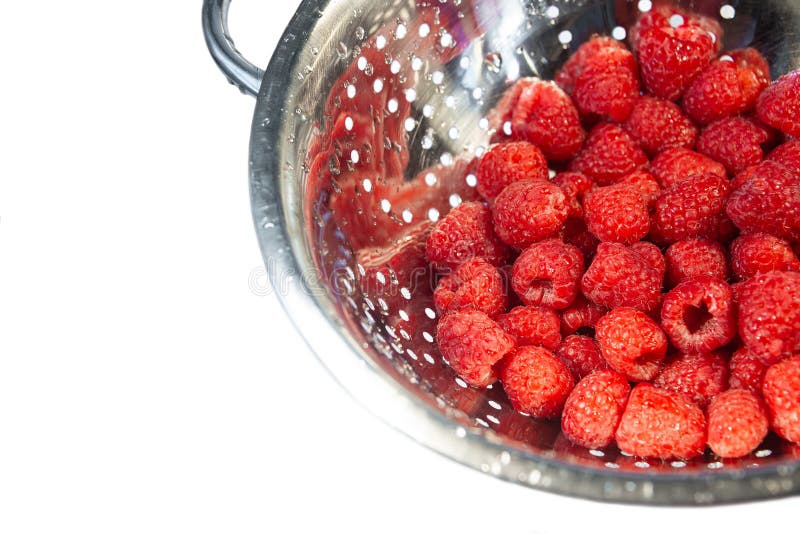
[367, 121]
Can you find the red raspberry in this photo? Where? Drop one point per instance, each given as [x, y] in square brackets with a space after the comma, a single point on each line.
[608, 85]
[608, 155]
[659, 124]
[652, 255]
[671, 58]
[698, 314]
[788, 155]
[769, 313]
[536, 382]
[661, 424]
[746, 371]
[576, 233]
[779, 104]
[750, 58]
[506, 163]
[617, 213]
[736, 142]
[528, 211]
[646, 184]
[618, 276]
[547, 274]
[581, 355]
[472, 343]
[698, 376]
[692, 208]
[573, 67]
[532, 325]
[659, 17]
[475, 284]
[594, 408]
[466, 232]
[768, 202]
[737, 423]
[782, 395]
[632, 343]
[696, 256]
[575, 186]
[580, 316]
[677, 164]
[761, 253]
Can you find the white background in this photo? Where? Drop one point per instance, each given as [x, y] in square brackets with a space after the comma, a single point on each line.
[149, 381]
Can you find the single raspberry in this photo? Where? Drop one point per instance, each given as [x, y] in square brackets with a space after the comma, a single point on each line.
[594, 408]
[608, 155]
[736, 142]
[536, 382]
[779, 104]
[581, 355]
[659, 124]
[677, 164]
[573, 67]
[761, 253]
[475, 284]
[750, 58]
[698, 315]
[746, 371]
[547, 274]
[632, 343]
[661, 424]
[652, 255]
[695, 256]
[769, 202]
[466, 232]
[698, 376]
[782, 395]
[646, 184]
[528, 211]
[618, 276]
[532, 325]
[608, 85]
[788, 155]
[581, 316]
[737, 423]
[506, 163]
[663, 15]
[576, 233]
[617, 213]
[769, 313]
[692, 208]
[575, 186]
[671, 58]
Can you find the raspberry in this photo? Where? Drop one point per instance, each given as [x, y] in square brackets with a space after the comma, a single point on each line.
[661, 424]
[573, 67]
[761, 253]
[576, 233]
[698, 376]
[547, 274]
[617, 213]
[750, 58]
[575, 186]
[631, 343]
[646, 184]
[466, 232]
[536, 382]
[696, 256]
[528, 211]
[580, 316]
[652, 255]
[475, 284]
[769, 313]
[581, 355]
[506, 163]
[472, 343]
[692, 208]
[671, 58]
[768, 202]
[608, 85]
[608, 155]
[618, 276]
[698, 314]
[594, 408]
[659, 17]
[779, 104]
[737, 423]
[532, 325]
[677, 164]
[782, 395]
[746, 371]
[659, 124]
[788, 155]
[734, 141]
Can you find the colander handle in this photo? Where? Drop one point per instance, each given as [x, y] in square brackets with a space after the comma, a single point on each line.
[240, 72]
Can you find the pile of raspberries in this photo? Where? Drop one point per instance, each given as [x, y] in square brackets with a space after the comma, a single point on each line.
[647, 291]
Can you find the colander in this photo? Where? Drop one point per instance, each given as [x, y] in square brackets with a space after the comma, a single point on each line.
[366, 124]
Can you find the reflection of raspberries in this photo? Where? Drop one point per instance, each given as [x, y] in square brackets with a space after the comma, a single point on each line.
[782, 395]
[779, 104]
[466, 232]
[659, 124]
[618, 276]
[692, 257]
[608, 155]
[737, 423]
[547, 274]
[475, 284]
[537, 383]
[528, 211]
[746, 371]
[532, 325]
[577, 62]
[608, 85]
[677, 164]
[617, 213]
[760, 253]
[692, 208]
[698, 376]
[594, 408]
[769, 313]
[582, 315]
[506, 163]
[575, 186]
[698, 314]
[736, 142]
[581, 355]
[632, 343]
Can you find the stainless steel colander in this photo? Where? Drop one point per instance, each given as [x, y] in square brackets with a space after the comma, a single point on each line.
[366, 124]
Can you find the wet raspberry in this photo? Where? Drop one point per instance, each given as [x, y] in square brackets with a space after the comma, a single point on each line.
[769, 313]
[594, 408]
[746, 371]
[575, 186]
[761, 253]
[632, 343]
[617, 213]
[609, 155]
[475, 284]
[646, 184]
[736, 142]
[737, 423]
[659, 17]
[466, 232]
[677, 164]
[782, 395]
[581, 355]
[698, 315]
[618, 276]
[581, 316]
[547, 274]
[532, 325]
[528, 211]
[506, 163]
[693, 257]
[608, 85]
[573, 67]
[536, 382]
[788, 155]
[659, 124]
[576, 233]
[700, 377]
[779, 104]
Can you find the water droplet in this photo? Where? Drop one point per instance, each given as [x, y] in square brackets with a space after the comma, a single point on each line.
[333, 165]
[360, 33]
[401, 31]
[380, 42]
[493, 61]
[424, 30]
